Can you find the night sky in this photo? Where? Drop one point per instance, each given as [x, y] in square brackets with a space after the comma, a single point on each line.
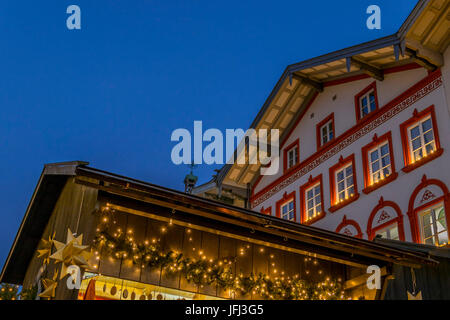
[113, 92]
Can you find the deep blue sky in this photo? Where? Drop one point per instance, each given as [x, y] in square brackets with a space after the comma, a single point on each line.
[112, 92]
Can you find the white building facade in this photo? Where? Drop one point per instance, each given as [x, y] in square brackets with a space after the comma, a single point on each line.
[370, 175]
[365, 137]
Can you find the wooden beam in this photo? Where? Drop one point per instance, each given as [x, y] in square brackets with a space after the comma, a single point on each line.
[432, 56]
[371, 70]
[420, 61]
[318, 86]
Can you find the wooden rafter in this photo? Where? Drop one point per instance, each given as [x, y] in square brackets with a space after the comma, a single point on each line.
[369, 69]
[419, 60]
[316, 85]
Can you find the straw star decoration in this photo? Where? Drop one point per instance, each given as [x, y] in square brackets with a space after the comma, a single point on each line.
[49, 287]
[47, 246]
[71, 253]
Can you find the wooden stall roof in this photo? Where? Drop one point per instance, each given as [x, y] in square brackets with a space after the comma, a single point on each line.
[421, 40]
[54, 177]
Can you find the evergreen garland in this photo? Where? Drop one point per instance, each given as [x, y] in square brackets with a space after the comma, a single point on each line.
[203, 272]
[8, 291]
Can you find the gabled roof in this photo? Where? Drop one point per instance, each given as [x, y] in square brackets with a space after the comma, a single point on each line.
[190, 209]
[421, 39]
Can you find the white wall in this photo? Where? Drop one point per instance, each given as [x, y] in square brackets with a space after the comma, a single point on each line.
[399, 190]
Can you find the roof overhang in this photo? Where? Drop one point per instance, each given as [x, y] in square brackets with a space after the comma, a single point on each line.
[420, 40]
[51, 182]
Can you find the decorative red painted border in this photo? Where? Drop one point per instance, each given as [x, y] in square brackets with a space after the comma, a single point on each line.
[311, 181]
[318, 127]
[347, 222]
[399, 219]
[364, 151]
[368, 124]
[267, 211]
[372, 86]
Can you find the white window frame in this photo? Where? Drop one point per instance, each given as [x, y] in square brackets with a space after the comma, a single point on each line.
[347, 187]
[388, 229]
[422, 139]
[315, 206]
[286, 215]
[293, 154]
[329, 130]
[381, 168]
[435, 232]
[367, 96]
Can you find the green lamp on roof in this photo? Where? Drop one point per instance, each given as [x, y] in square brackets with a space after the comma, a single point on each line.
[190, 180]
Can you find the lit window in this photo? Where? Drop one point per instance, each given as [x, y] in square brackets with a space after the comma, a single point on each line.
[421, 139]
[379, 163]
[313, 202]
[292, 157]
[367, 103]
[390, 232]
[434, 226]
[326, 132]
[344, 183]
[288, 211]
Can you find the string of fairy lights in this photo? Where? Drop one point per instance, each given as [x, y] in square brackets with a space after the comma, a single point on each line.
[114, 241]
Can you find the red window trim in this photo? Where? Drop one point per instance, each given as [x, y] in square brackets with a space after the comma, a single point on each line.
[404, 95]
[318, 131]
[267, 211]
[371, 232]
[342, 162]
[417, 116]
[347, 222]
[372, 86]
[311, 181]
[294, 144]
[368, 188]
[413, 212]
[286, 198]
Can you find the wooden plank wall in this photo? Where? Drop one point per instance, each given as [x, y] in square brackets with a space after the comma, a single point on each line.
[434, 282]
[74, 209]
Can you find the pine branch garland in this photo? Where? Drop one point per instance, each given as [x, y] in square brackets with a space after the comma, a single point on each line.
[217, 272]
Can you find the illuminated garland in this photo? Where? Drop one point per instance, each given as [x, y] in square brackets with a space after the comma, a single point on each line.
[203, 271]
[8, 291]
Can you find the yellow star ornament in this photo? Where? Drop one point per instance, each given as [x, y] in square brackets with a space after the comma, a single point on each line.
[49, 287]
[71, 253]
[46, 248]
